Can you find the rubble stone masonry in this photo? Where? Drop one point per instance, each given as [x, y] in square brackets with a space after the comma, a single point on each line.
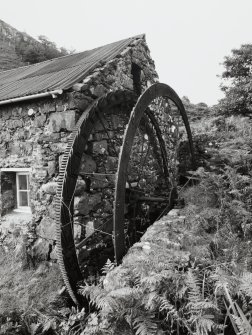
[34, 136]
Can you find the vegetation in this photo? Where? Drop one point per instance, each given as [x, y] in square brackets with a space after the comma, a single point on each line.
[19, 49]
[237, 83]
[206, 291]
[209, 293]
[27, 293]
[204, 286]
[34, 52]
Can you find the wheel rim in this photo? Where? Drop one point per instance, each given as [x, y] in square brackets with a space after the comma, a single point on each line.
[69, 172]
[142, 118]
[155, 104]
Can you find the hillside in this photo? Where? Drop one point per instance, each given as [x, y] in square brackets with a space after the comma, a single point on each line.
[9, 36]
[19, 49]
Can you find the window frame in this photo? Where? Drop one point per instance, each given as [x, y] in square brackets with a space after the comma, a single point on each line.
[20, 171]
[18, 191]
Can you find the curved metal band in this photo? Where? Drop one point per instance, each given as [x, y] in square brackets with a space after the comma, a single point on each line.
[67, 179]
[154, 91]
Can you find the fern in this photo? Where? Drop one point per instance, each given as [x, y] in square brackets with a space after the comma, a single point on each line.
[246, 284]
[170, 310]
[223, 280]
[152, 281]
[93, 327]
[202, 311]
[144, 325]
[96, 294]
[151, 300]
[109, 266]
[205, 324]
[243, 327]
[241, 321]
[107, 304]
[194, 288]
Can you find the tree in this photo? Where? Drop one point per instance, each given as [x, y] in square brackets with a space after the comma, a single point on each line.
[33, 52]
[237, 84]
[238, 65]
[49, 48]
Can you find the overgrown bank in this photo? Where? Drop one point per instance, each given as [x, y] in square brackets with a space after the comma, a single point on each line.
[200, 281]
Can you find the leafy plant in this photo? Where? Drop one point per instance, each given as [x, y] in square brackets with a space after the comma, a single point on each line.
[33, 51]
[237, 75]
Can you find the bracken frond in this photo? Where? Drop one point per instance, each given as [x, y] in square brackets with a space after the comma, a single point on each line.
[243, 327]
[144, 325]
[109, 266]
[194, 294]
[246, 284]
[151, 300]
[171, 311]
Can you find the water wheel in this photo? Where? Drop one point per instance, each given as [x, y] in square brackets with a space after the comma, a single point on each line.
[126, 160]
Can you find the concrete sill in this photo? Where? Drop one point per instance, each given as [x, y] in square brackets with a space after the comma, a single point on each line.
[22, 210]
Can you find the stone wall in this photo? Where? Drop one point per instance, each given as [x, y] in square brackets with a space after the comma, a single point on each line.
[35, 133]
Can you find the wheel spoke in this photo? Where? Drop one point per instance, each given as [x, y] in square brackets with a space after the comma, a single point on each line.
[143, 163]
[99, 229]
[106, 131]
[153, 199]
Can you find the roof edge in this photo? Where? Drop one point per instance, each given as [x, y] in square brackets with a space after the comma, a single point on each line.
[140, 36]
[32, 96]
[58, 89]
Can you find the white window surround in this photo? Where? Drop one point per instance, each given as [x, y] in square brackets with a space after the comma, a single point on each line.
[21, 192]
[15, 169]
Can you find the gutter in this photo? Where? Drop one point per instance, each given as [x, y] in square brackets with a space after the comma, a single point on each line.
[33, 96]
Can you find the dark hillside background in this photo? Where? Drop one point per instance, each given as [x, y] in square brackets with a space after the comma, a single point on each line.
[20, 49]
[8, 56]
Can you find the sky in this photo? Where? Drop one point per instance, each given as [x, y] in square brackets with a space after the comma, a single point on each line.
[188, 39]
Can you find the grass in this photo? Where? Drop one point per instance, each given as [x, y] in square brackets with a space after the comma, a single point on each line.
[24, 289]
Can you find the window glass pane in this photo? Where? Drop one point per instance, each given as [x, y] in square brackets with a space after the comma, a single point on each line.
[23, 182]
[23, 199]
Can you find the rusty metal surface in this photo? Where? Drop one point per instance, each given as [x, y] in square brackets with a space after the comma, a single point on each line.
[154, 91]
[58, 73]
[66, 249]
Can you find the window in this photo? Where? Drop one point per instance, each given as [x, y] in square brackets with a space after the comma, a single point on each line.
[15, 190]
[136, 74]
[23, 191]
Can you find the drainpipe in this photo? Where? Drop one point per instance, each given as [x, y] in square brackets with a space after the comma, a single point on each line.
[33, 96]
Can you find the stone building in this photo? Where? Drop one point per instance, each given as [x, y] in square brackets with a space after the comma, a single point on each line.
[39, 107]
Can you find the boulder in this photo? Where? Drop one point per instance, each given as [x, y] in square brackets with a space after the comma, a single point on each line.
[40, 249]
[77, 231]
[46, 229]
[99, 181]
[80, 187]
[87, 165]
[111, 164]
[62, 121]
[87, 202]
[50, 187]
[100, 148]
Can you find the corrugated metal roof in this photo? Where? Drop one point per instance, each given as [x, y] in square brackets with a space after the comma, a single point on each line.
[58, 73]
